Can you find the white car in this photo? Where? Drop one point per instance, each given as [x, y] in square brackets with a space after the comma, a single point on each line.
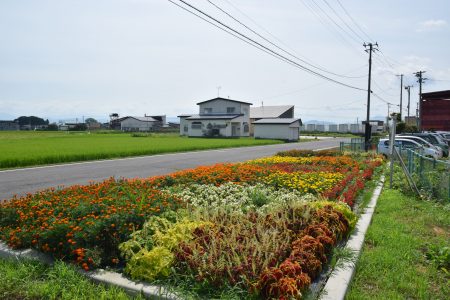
[383, 147]
[423, 142]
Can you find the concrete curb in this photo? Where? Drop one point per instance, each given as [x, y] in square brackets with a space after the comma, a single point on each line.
[339, 281]
[100, 276]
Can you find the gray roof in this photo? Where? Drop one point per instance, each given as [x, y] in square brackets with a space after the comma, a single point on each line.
[219, 98]
[142, 119]
[268, 111]
[278, 121]
[214, 117]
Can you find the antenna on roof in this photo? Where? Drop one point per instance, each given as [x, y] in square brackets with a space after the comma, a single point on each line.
[262, 103]
[218, 91]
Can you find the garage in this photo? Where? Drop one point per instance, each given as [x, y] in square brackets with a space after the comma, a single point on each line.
[281, 129]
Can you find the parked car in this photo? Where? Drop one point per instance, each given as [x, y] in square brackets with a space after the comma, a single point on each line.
[435, 140]
[423, 142]
[383, 145]
[403, 143]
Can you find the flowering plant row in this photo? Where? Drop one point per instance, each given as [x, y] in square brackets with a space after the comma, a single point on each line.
[227, 224]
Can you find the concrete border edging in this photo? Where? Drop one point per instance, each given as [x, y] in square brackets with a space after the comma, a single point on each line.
[340, 279]
[100, 276]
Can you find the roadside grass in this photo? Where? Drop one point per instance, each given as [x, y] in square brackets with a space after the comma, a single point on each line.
[394, 263]
[20, 149]
[33, 280]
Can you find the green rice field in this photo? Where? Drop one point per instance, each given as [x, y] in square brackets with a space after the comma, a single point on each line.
[28, 148]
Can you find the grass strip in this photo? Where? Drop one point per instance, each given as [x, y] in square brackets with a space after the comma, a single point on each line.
[37, 148]
[33, 280]
[394, 262]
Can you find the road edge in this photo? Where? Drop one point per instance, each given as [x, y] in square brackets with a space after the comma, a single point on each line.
[339, 281]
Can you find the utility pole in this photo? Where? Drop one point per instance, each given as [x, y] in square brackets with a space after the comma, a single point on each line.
[420, 80]
[368, 132]
[401, 95]
[408, 88]
[417, 114]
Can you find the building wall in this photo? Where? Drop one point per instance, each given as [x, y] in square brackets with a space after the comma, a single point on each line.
[276, 131]
[343, 128]
[333, 128]
[9, 125]
[320, 127]
[198, 128]
[130, 124]
[310, 127]
[184, 126]
[436, 114]
[220, 107]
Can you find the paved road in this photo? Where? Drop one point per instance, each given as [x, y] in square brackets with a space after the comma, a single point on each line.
[22, 181]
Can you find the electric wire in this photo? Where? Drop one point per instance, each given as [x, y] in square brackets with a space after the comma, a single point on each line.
[342, 20]
[335, 23]
[278, 47]
[335, 33]
[278, 55]
[231, 33]
[353, 20]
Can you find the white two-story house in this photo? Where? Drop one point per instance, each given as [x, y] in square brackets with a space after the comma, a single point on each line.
[218, 117]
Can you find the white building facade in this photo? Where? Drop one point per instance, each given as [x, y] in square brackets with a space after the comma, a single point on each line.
[218, 117]
[285, 129]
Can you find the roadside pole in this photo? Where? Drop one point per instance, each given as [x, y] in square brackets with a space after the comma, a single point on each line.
[391, 146]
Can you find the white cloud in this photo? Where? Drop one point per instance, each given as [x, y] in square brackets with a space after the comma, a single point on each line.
[431, 25]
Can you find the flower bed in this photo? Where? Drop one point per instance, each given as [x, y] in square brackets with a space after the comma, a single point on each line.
[265, 226]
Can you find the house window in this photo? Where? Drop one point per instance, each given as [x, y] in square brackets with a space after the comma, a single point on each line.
[207, 110]
[245, 126]
[185, 128]
[230, 110]
[196, 125]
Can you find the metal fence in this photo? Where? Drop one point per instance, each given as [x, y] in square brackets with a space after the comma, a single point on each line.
[431, 176]
[356, 144]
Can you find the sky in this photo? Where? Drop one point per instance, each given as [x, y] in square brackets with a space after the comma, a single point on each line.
[67, 60]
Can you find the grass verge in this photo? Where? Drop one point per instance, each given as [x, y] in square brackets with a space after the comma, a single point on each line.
[397, 260]
[33, 280]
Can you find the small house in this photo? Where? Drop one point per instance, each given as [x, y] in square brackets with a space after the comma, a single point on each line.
[270, 112]
[278, 128]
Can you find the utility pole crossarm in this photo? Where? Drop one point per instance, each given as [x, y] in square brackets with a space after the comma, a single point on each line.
[420, 80]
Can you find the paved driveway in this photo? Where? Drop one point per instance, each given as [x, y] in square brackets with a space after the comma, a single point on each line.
[27, 180]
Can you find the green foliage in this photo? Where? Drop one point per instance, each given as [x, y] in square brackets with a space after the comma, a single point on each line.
[440, 256]
[33, 280]
[308, 153]
[149, 265]
[32, 120]
[400, 128]
[149, 251]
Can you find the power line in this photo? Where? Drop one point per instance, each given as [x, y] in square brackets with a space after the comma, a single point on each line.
[335, 23]
[278, 55]
[342, 20]
[335, 33]
[353, 20]
[305, 88]
[278, 47]
[229, 32]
